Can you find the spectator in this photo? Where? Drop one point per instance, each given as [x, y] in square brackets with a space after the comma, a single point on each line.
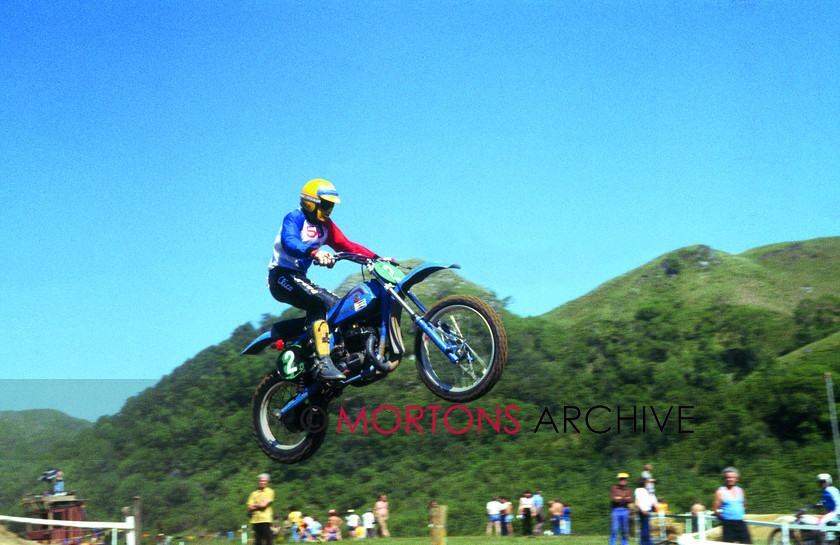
[380, 510]
[352, 522]
[315, 529]
[334, 521]
[507, 516]
[696, 509]
[259, 506]
[648, 474]
[368, 521]
[58, 485]
[644, 501]
[430, 511]
[620, 500]
[331, 531]
[556, 512]
[538, 512]
[729, 505]
[526, 512]
[494, 517]
[293, 521]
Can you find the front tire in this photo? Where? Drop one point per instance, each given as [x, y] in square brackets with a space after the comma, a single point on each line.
[476, 330]
[292, 437]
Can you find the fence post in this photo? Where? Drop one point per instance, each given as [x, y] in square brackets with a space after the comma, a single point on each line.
[785, 533]
[137, 511]
[701, 525]
[663, 533]
[438, 525]
[131, 534]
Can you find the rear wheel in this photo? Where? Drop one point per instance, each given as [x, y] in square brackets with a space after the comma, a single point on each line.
[291, 437]
[475, 331]
[796, 538]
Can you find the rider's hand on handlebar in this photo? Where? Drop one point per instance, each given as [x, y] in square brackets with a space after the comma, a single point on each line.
[325, 259]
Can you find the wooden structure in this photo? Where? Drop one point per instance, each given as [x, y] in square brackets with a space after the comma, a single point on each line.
[437, 524]
[64, 507]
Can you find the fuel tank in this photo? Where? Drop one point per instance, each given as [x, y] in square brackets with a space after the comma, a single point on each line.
[360, 304]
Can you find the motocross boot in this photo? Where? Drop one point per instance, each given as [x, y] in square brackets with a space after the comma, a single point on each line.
[324, 368]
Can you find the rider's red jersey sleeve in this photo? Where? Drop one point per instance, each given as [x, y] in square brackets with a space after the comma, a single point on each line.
[337, 241]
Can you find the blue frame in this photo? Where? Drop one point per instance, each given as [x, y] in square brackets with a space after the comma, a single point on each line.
[415, 276]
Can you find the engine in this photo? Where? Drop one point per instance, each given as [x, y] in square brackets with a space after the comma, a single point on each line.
[348, 353]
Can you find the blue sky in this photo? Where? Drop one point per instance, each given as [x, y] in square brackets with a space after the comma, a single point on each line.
[149, 150]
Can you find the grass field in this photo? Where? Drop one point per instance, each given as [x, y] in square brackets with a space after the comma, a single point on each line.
[516, 540]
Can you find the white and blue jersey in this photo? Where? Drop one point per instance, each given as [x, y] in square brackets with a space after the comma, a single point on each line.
[831, 498]
[298, 239]
[831, 501]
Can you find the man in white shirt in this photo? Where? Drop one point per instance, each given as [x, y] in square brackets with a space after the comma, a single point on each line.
[494, 517]
[353, 521]
[368, 522]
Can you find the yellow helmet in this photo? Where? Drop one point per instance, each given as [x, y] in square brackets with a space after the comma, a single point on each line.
[317, 199]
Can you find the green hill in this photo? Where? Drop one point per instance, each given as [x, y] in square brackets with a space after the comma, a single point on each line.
[28, 442]
[695, 361]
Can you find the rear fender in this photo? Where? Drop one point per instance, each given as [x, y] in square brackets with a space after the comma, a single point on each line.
[287, 329]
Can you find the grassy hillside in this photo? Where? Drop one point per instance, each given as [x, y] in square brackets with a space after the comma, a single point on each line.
[737, 345]
[774, 277]
[28, 442]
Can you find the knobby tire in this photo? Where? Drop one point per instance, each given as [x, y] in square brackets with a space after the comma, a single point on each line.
[488, 337]
[276, 438]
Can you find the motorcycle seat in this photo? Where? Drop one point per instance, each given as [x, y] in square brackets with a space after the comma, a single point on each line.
[288, 328]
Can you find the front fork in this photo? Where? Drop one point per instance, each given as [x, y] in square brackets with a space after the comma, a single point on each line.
[450, 351]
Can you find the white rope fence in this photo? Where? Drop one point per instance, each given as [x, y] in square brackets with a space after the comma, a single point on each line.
[699, 537]
[128, 525]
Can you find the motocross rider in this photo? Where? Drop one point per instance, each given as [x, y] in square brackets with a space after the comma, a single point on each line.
[830, 498]
[296, 247]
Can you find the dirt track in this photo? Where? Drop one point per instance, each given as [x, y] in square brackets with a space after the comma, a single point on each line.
[9, 538]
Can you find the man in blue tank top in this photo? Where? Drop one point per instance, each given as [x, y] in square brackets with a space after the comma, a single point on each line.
[729, 506]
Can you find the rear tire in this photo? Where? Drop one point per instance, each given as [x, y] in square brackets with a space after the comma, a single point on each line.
[795, 538]
[290, 438]
[473, 325]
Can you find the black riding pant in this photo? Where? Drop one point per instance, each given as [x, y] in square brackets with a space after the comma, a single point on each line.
[296, 289]
[262, 533]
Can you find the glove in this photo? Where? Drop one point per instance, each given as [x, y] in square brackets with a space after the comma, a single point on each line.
[325, 259]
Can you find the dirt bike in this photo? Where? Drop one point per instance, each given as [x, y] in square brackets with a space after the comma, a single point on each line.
[801, 536]
[460, 352]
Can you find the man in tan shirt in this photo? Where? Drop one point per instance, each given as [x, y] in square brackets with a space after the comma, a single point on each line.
[380, 511]
[262, 515]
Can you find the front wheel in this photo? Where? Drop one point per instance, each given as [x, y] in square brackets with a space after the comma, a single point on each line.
[291, 437]
[477, 335]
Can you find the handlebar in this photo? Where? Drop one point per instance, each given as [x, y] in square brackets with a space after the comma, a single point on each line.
[350, 256]
[802, 510]
[359, 259]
